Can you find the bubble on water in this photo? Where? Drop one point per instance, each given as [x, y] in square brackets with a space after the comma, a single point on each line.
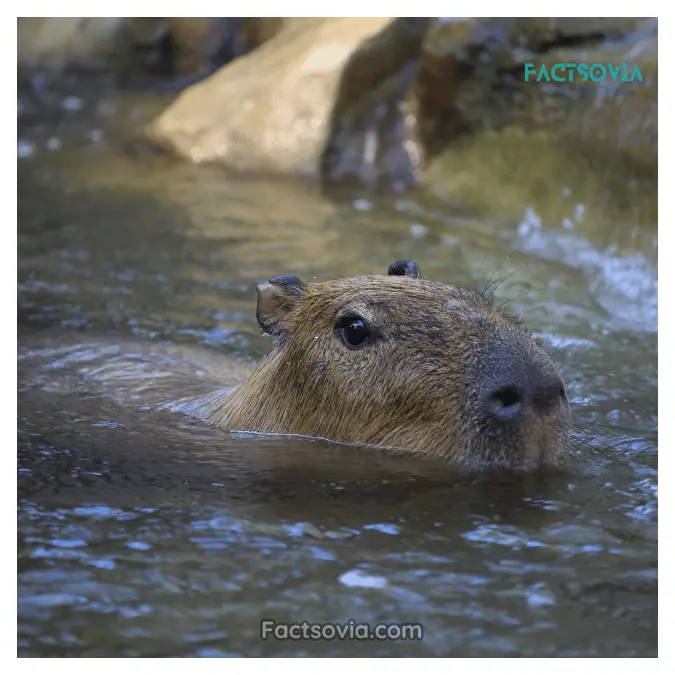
[321, 553]
[566, 191]
[139, 546]
[102, 564]
[363, 205]
[53, 143]
[501, 536]
[530, 222]
[95, 135]
[418, 231]
[592, 548]
[72, 103]
[579, 212]
[359, 579]
[386, 528]
[567, 224]
[25, 149]
[537, 596]
[68, 543]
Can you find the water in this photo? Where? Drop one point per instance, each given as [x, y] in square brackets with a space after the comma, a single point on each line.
[144, 533]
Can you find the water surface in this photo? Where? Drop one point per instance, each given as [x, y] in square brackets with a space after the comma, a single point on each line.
[145, 533]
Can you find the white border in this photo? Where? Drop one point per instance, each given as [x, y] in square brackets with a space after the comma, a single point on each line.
[666, 289]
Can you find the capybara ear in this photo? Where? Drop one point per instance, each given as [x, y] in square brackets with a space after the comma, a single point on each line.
[276, 299]
[405, 268]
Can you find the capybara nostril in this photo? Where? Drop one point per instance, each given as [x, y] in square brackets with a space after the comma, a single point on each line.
[506, 402]
[540, 394]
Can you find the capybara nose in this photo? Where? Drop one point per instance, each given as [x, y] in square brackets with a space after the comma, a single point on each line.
[511, 400]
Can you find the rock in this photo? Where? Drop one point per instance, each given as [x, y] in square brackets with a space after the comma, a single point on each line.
[113, 44]
[371, 141]
[255, 31]
[320, 98]
[373, 101]
[178, 46]
[199, 44]
[85, 41]
[491, 139]
[471, 78]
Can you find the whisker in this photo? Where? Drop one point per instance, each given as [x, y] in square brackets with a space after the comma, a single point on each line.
[494, 286]
[607, 427]
[591, 439]
[489, 282]
[515, 297]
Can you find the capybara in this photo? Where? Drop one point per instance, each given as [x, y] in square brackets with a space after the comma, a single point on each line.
[402, 363]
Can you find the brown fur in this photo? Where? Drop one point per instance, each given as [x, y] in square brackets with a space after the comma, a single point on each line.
[415, 389]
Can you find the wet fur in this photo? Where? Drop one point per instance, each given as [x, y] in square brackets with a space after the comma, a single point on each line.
[415, 390]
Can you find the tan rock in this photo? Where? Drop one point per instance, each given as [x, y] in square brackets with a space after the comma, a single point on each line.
[276, 109]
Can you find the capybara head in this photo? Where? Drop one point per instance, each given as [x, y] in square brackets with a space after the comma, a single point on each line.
[400, 362]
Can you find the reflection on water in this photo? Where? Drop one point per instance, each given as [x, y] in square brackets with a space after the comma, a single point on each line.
[144, 532]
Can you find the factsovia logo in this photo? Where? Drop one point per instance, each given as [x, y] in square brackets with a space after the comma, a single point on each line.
[582, 72]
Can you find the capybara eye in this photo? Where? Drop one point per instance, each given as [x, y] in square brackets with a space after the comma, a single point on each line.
[353, 332]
